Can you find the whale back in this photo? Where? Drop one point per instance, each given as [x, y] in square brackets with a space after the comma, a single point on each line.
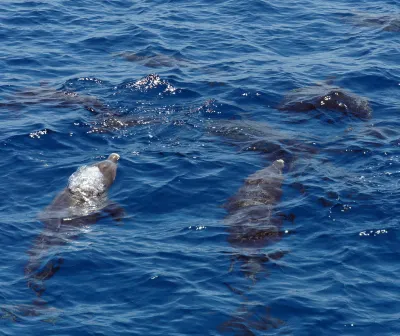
[250, 212]
[326, 98]
[261, 188]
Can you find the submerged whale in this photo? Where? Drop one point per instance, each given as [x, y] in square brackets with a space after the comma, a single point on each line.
[250, 212]
[154, 60]
[389, 22]
[252, 225]
[56, 98]
[262, 138]
[83, 202]
[251, 221]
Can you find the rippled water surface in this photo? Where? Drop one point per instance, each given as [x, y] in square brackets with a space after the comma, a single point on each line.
[196, 96]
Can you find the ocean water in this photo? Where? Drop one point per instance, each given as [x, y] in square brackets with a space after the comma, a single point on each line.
[193, 95]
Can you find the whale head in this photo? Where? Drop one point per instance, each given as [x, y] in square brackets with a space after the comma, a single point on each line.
[109, 169]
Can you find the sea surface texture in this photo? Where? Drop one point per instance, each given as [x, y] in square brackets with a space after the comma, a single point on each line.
[196, 97]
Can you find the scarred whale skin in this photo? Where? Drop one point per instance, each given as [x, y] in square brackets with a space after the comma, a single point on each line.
[251, 226]
[326, 98]
[80, 204]
[250, 217]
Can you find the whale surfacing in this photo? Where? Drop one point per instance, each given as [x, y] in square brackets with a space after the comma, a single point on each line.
[326, 98]
[81, 203]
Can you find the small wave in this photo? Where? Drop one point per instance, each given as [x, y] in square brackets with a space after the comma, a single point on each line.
[150, 83]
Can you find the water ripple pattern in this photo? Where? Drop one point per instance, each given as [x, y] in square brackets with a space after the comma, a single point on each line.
[197, 97]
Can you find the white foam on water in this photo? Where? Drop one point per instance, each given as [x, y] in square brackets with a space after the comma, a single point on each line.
[87, 181]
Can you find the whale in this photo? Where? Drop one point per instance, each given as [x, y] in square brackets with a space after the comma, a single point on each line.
[45, 94]
[251, 220]
[388, 22]
[154, 60]
[81, 203]
[252, 225]
[260, 137]
[326, 98]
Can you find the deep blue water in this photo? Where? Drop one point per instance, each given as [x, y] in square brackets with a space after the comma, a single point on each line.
[166, 84]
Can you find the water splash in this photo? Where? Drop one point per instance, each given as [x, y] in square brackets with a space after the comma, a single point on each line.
[87, 182]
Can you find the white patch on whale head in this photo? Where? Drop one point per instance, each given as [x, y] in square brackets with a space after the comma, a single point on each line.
[87, 181]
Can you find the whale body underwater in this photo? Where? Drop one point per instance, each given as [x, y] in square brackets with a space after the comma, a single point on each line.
[250, 211]
[83, 202]
[252, 224]
[251, 219]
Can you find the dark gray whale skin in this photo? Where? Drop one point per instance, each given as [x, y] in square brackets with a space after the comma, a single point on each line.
[63, 219]
[252, 225]
[250, 216]
[326, 98]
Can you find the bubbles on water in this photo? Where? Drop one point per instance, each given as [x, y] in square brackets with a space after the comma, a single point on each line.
[150, 82]
[345, 208]
[197, 227]
[209, 106]
[373, 232]
[87, 182]
[38, 134]
[90, 79]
